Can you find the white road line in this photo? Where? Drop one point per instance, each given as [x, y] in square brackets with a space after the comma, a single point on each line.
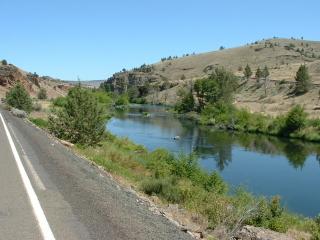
[37, 210]
[35, 176]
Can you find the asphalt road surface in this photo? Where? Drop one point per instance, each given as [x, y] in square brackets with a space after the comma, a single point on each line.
[46, 192]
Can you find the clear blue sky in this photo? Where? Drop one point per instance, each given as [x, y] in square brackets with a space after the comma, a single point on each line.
[93, 39]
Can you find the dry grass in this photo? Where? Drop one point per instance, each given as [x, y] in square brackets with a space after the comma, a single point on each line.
[282, 64]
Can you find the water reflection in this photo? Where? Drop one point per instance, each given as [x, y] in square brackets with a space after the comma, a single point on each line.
[266, 165]
[207, 142]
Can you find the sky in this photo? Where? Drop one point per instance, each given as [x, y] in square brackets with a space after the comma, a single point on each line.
[93, 39]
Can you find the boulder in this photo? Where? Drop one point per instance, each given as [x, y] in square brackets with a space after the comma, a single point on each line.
[256, 233]
[66, 143]
[176, 138]
[19, 113]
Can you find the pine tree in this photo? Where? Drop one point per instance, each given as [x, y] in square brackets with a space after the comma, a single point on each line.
[303, 80]
[265, 75]
[247, 72]
[19, 98]
[80, 120]
[265, 72]
[258, 74]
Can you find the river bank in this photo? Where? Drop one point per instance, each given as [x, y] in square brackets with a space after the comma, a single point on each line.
[294, 125]
[180, 180]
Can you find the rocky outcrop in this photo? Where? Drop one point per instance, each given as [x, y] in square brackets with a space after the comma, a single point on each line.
[256, 233]
[19, 113]
[10, 75]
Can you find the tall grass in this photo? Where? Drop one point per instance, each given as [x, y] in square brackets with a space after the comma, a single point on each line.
[179, 179]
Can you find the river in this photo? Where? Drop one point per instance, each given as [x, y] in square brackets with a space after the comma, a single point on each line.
[264, 165]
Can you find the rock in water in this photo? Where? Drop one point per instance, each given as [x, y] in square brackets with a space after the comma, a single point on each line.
[19, 113]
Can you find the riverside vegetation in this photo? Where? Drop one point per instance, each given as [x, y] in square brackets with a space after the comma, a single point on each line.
[215, 96]
[79, 118]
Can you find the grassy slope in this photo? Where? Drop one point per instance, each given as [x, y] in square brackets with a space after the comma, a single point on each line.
[282, 64]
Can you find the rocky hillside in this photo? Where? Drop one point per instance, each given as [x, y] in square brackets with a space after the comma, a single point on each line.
[282, 56]
[10, 75]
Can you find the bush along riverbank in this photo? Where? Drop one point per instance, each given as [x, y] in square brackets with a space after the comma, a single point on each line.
[210, 102]
[294, 124]
[172, 179]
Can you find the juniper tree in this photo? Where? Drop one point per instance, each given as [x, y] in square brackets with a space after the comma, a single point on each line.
[18, 97]
[258, 74]
[303, 80]
[80, 120]
[247, 72]
[265, 72]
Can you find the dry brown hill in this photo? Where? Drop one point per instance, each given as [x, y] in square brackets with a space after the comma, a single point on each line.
[10, 75]
[282, 56]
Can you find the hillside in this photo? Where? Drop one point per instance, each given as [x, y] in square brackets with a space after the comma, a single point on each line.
[282, 56]
[10, 75]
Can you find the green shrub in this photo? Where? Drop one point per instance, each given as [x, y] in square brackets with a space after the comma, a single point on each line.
[186, 103]
[275, 207]
[315, 229]
[39, 122]
[36, 107]
[278, 225]
[165, 188]
[243, 120]
[80, 120]
[295, 120]
[140, 100]
[104, 99]
[215, 183]
[277, 125]
[122, 100]
[219, 113]
[269, 214]
[160, 162]
[59, 102]
[42, 94]
[19, 98]
[261, 123]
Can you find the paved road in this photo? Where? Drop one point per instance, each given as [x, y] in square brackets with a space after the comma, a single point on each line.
[46, 192]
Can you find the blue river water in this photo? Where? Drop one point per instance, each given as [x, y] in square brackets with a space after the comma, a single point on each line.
[264, 165]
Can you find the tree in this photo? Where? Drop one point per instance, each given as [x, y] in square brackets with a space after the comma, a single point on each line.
[265, 75]
[258, 74]
[4, 62]
[133, 93]
[106, 86]
[219, 86]
[80, 120]
[265, 72]
[18, 97]
[247, 72]
[303, 80]
[186, 103]
[295, 120]
[42, 94]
